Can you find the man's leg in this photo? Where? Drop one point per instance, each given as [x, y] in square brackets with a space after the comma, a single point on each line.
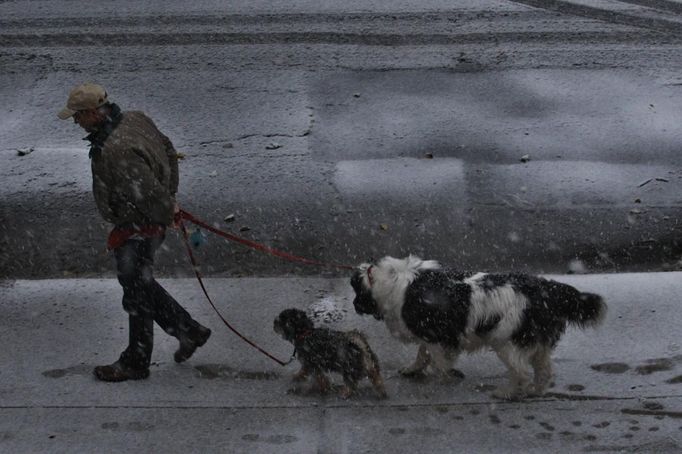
[177, 322]
[140, 342]
[133, 269]
[169, 314]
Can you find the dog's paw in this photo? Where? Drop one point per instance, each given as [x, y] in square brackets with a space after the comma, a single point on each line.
[345, 392]
[534, 390]
[449, 376]
[322, 390]
[410, 372]
[455, 374]
[509, 393]
[299, 376]
[296, 390]
[382, 394]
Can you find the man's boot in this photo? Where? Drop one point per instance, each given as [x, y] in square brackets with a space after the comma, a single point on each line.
[118, 371]
[190, 341]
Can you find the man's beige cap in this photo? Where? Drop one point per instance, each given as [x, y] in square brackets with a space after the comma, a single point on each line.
[83, 97]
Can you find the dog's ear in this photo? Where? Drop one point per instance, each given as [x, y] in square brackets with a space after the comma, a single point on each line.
[304, 321]
[295, 322]
[356, 280]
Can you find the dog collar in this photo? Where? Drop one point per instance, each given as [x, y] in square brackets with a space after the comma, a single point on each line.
[369, 275]
[303, 335]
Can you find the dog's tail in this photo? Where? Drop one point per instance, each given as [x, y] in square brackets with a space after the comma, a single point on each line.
[582, 309]
[370, 362]
[586, 310]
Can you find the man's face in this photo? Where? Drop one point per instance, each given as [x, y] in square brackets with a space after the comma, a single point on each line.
[88, 119]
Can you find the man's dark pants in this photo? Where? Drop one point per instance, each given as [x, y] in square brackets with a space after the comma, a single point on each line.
[146, 301]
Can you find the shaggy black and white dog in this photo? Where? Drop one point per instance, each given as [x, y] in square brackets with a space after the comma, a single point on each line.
[520, 317]
[321, 350]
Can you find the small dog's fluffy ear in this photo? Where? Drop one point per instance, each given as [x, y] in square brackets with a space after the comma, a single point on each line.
[300, 320]
[294, 322]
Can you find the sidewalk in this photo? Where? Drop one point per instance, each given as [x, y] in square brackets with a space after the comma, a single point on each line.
[617, 388]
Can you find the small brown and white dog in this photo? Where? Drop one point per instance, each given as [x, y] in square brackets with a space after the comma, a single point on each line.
[321, 350]
[520, 317]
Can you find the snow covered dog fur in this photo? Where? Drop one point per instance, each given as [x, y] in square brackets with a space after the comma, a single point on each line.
[321, 349]
[520, 317]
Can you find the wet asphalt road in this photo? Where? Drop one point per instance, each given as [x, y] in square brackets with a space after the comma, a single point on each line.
[495, 136]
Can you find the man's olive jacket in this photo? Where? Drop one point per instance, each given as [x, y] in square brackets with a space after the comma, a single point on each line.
[135, 173]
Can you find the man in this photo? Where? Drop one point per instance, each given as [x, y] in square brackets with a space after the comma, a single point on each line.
[135, 178]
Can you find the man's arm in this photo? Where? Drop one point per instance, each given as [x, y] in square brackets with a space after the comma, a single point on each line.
[173, 163]
[102, 195]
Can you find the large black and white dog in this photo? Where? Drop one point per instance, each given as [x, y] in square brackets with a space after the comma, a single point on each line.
[520, 317]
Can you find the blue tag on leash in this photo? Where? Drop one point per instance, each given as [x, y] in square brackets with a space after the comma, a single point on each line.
[197, 238]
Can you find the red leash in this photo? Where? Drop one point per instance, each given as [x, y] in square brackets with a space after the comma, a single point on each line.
[260, 247]
[201, 283]
[185, 215]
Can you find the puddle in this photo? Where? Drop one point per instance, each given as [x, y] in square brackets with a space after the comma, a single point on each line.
[136, 426]
[656, 446]
[133, 426]
[55, 373]
[214, 371]
[601, 425]
[563, 396]
[675, 380]
[548, 427]
[75, 370]
[281, 439]
[575, 388]
[634, 411]
[653, 406]
[271, 439]
[428, 431]
[655, 365]
[611, 368]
